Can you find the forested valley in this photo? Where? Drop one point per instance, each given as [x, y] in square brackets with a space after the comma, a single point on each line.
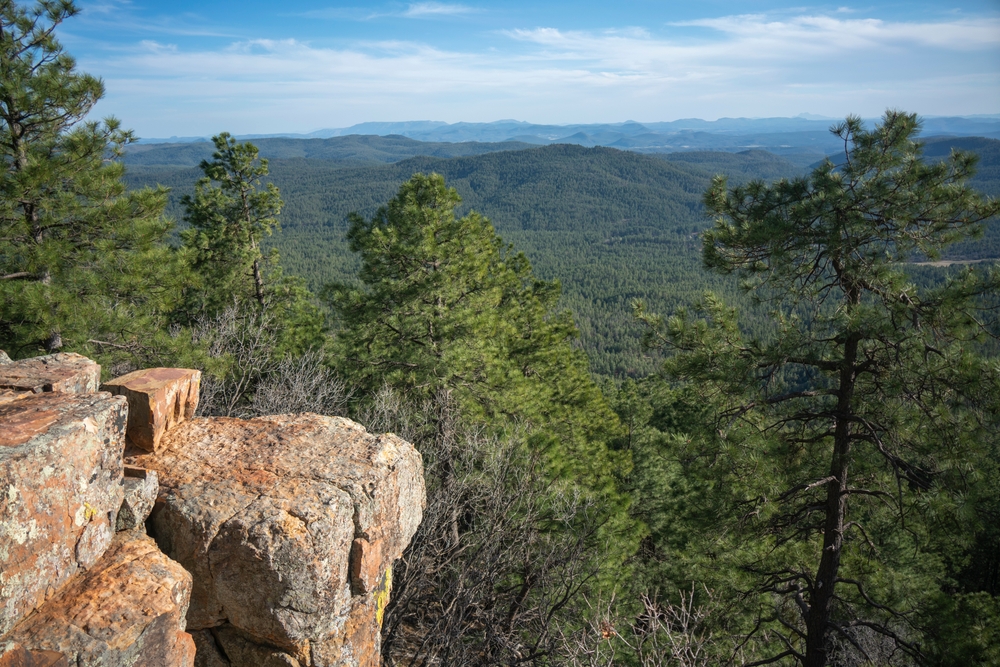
[610, 225]
[685, 409]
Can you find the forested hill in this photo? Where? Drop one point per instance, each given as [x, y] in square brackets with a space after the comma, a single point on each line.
[611, 225]
[738, 167]
[352, 150]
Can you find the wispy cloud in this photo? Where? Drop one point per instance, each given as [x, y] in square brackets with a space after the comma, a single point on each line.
[737, 65]
[826, 32]
[417, 10]
[423, 9]
[119, 16]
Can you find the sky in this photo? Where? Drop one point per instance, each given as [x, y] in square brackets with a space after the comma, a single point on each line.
[189, 68]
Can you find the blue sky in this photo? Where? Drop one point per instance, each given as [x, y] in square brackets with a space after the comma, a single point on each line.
[196, 68]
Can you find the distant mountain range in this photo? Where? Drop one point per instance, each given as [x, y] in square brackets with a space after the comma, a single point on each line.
[800, 139]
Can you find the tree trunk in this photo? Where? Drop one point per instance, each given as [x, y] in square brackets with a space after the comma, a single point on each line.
[258, 283]
[821, 594]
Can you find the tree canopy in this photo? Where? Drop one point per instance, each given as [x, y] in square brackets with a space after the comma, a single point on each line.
[83, 264]
[852, 429]
[445, 304]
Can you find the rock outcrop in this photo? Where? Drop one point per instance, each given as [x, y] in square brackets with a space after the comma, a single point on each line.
[60, 490]
[158, 399]
[63, 373]
[285, 502]
[15, 655]
[271, 540]
[127, 610]
[141, 487]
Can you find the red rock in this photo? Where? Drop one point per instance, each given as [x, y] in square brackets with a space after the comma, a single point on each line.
[367, 565]
[64, 372]
[158, 399]
[359, 644]
[184, 650]
[265, 512]
[127, 610]
[60, 472]
[15, 655]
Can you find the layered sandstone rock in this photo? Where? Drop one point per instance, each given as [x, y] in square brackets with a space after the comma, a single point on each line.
[64, 372]
[60, 476]
[266, 513]
[126, 610]
[158, 399]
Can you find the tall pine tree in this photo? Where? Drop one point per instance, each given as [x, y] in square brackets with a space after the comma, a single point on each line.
[453, 319]
[230, 214]
[844, 445]
[447, 306]
[83, 263]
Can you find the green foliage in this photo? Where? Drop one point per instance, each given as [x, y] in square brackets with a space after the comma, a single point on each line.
[610, 225]
[451, 318]
[964, 630]
[83, 265]
[754, 164]
[448, 306]
[228, 223]
[844, 444]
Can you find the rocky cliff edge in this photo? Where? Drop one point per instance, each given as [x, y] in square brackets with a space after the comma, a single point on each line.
[132, 533]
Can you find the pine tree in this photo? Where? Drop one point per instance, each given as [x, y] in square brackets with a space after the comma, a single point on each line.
[845, 441]
[83, 263]
[230, 214]
[228, 222]
[453, 320]
[446, 305]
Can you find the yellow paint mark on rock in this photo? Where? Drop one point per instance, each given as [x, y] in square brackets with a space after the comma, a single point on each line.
[382, 595]
[85, 514]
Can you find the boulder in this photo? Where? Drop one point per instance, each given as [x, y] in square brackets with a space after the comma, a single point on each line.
[141, 487]
[64, 372]
[60, 475]
[209, 654]
[158, 399]
[127, 610]
[265, 513]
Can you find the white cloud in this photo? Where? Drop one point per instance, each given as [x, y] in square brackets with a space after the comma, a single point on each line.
[845, 34]
[421, 9]
[742, 66]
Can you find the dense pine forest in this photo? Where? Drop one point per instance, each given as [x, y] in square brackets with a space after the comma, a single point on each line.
[692, 409]
[610, 225]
